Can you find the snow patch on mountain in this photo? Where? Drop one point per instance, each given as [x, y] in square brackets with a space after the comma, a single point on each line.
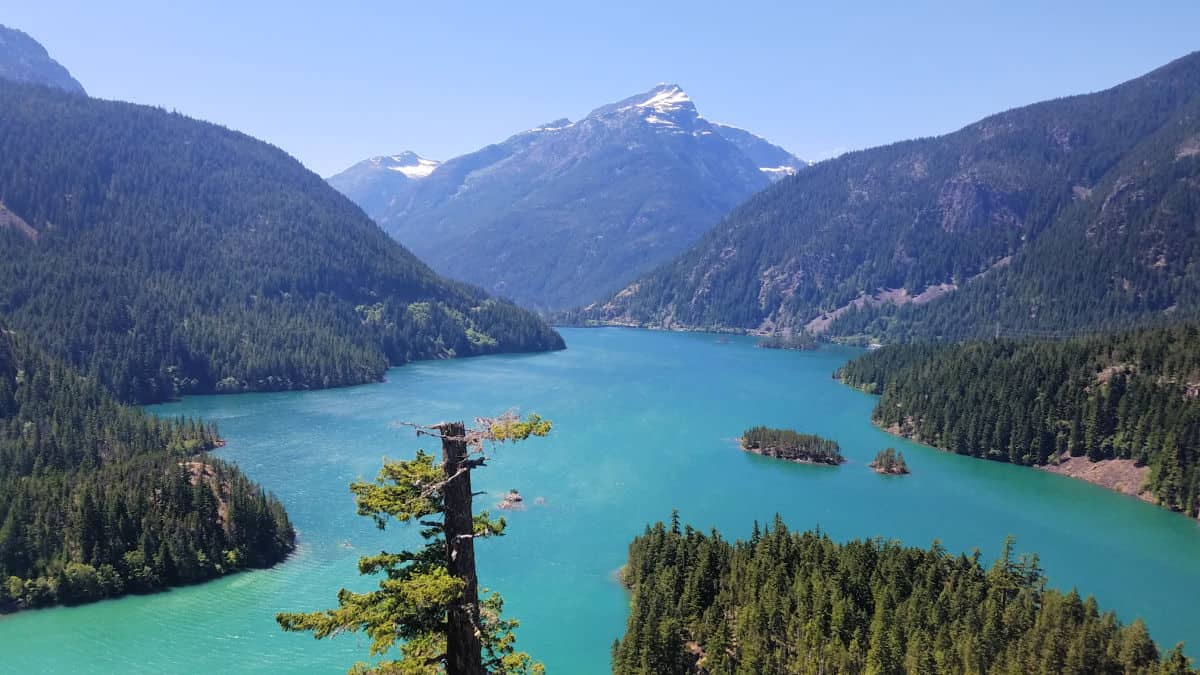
[776, 172]
[421, 169]
[556, 125]
[407, 163]
[666, 99]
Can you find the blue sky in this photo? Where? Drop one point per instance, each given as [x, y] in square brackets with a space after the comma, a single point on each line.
[334, 84]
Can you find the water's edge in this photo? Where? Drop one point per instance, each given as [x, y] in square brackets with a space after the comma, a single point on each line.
[642, 426]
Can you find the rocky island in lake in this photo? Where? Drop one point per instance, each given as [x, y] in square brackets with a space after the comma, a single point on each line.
[513, 501]
[889, 462]
[792, 446]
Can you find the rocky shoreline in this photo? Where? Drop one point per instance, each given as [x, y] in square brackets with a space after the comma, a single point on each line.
[1119, 475]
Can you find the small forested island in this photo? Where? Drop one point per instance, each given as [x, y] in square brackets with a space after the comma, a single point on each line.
[704, 605]
[802, 341]
[791, 446]
[1121, 410]
[890, 462]
[98, 499]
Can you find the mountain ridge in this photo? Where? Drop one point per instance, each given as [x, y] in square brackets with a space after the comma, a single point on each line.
[919, 218]
[24, 59]
[178, 256]
[563, 211]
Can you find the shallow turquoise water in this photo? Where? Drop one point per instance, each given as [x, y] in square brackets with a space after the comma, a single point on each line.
[644, 423]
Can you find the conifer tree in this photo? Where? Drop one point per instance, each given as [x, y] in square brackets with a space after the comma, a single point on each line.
[428, 599]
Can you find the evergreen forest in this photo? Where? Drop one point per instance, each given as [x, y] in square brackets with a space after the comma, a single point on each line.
[161, 256]
[798, 602]
[98, 499]
[1132, 396]
[791, 445]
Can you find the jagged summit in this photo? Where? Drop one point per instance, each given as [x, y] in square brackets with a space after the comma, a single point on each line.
[666, 98]
[663, 101]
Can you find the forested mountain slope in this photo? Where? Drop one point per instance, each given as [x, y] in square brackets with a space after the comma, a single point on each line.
[1127, 252]
[1131, 396]
[162, 255]
[97, 499]
[24, 59]
[787, 602]
[1066, 214]
[568, 211]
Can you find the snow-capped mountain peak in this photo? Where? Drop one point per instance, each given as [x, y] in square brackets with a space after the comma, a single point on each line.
[665, 104]
[408, 163]
[554, 213]
[666, 99]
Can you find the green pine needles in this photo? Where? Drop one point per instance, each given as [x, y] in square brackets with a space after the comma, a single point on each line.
[428, 599]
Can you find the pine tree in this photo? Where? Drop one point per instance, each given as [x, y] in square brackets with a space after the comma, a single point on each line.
[429, 598]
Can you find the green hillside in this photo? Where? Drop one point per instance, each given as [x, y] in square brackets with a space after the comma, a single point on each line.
[1070, 214]
[162, 256]
[98, 499]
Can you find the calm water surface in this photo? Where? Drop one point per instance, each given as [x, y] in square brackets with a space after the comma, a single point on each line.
[644, 423]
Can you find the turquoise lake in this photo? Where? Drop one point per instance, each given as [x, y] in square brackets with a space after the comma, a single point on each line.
[644, 423]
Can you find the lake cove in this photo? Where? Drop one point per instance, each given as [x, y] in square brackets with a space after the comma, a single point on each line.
[644, 422]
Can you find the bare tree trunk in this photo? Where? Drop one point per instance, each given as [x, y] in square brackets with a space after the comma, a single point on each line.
[463, 648]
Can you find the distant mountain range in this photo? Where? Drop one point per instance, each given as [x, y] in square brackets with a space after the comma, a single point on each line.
[24, 59]
[1064, 216]
[160, 255]
[567, 211]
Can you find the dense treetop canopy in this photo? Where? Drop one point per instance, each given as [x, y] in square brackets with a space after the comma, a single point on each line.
[98, 499]
[787, 602]
[163, 255]
[791, 445]
[1130, 396]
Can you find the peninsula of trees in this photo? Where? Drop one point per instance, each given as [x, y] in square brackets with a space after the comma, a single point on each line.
[787, 602]
[791, 446]
[1132, 396]
[98, 499]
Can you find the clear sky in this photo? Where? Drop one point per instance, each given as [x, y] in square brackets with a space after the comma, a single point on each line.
[333, 83]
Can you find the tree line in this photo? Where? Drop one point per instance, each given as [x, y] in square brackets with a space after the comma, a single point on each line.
[1131, 395]
[791, 445]
[98, 499]
[791, 602]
